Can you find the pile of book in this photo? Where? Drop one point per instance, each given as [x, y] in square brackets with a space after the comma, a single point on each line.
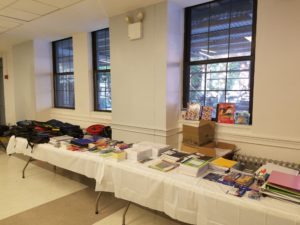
[169, 160]
[195, 165]
[283, 186]
[222, 164]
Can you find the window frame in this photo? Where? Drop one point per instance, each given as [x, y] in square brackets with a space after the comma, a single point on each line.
[96, 70]
[55, 73]
[187, 56]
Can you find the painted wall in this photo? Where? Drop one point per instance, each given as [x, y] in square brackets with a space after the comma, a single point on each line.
[9, 93]
[146, 76]
[42, 79]
[2, 103]
[23, 70]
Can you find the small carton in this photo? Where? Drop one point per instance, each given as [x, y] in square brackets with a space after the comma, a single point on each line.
[199, 135]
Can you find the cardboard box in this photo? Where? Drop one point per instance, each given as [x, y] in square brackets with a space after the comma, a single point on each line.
[198, 135]
[213, 149]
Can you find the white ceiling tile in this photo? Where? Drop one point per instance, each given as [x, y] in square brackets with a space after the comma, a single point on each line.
[59, 3]
[33, 7]
[18, 14]
[8, 23]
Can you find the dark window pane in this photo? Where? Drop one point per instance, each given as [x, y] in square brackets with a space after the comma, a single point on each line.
[239, 65]
[217, 67]
[64, 91]
[240, 41]
[102, 70]
[63, 74]
[240, 98]
[103, 96]
[215, 84]
[197, 77]
[197, 96]
[238, 84]
[199, 33]
[220, 53]
[212, 98]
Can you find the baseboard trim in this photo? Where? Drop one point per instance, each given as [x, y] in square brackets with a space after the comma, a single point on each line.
[260, 140]
[146, 130]
[80, 118]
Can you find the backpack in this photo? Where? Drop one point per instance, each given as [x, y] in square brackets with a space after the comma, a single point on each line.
[3, 129]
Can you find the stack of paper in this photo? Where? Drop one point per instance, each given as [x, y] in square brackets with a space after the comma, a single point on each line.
[138, 154]
[222, 164]
[56, 141]
[157, 148]
[195, 165]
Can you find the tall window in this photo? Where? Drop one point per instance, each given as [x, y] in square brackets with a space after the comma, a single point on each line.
[102, 77]
[63, 74]
[219, 53]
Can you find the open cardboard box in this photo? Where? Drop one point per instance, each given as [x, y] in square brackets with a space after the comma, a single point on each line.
[213, 149]
[198, 135]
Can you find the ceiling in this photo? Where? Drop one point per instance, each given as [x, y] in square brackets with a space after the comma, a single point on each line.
[22, 20]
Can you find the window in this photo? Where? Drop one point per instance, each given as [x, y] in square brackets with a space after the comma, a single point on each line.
[102, 77]
[219, 53]
[63, 73]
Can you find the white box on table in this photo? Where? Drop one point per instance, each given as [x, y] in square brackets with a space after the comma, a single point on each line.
[157, 148]
[138, 153]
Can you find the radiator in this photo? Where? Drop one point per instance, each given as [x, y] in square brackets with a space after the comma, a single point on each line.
[259, 161]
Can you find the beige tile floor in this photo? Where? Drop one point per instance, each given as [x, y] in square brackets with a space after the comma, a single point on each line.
[40, 186]
[137, 216]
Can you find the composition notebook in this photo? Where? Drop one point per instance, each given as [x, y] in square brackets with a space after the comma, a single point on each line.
[285, 180]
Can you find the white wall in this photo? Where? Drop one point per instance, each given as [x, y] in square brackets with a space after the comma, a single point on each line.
[146, 75]
[23, 70]
[42, 79]
[9, 93]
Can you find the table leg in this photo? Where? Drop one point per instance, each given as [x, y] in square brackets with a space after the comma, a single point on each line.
[97, 203]
[124, 214]
[3, 145]
[54, 168]
[23, 172]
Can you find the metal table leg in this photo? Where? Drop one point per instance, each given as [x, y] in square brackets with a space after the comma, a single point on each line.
[23, 172]
[124, 214]
[3, 145]
[97, 203]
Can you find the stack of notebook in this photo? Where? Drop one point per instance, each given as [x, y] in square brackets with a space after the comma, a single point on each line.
[222, 164]
[195, 165]
[283, 185]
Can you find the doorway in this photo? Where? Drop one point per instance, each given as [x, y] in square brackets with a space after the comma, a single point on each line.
[2, 104]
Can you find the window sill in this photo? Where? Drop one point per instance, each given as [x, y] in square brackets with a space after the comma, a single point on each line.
[195, 123]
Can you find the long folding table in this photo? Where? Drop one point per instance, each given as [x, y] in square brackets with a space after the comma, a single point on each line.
[187, 199]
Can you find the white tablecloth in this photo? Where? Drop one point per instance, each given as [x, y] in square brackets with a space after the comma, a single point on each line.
[188, 199]
[84, 163]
